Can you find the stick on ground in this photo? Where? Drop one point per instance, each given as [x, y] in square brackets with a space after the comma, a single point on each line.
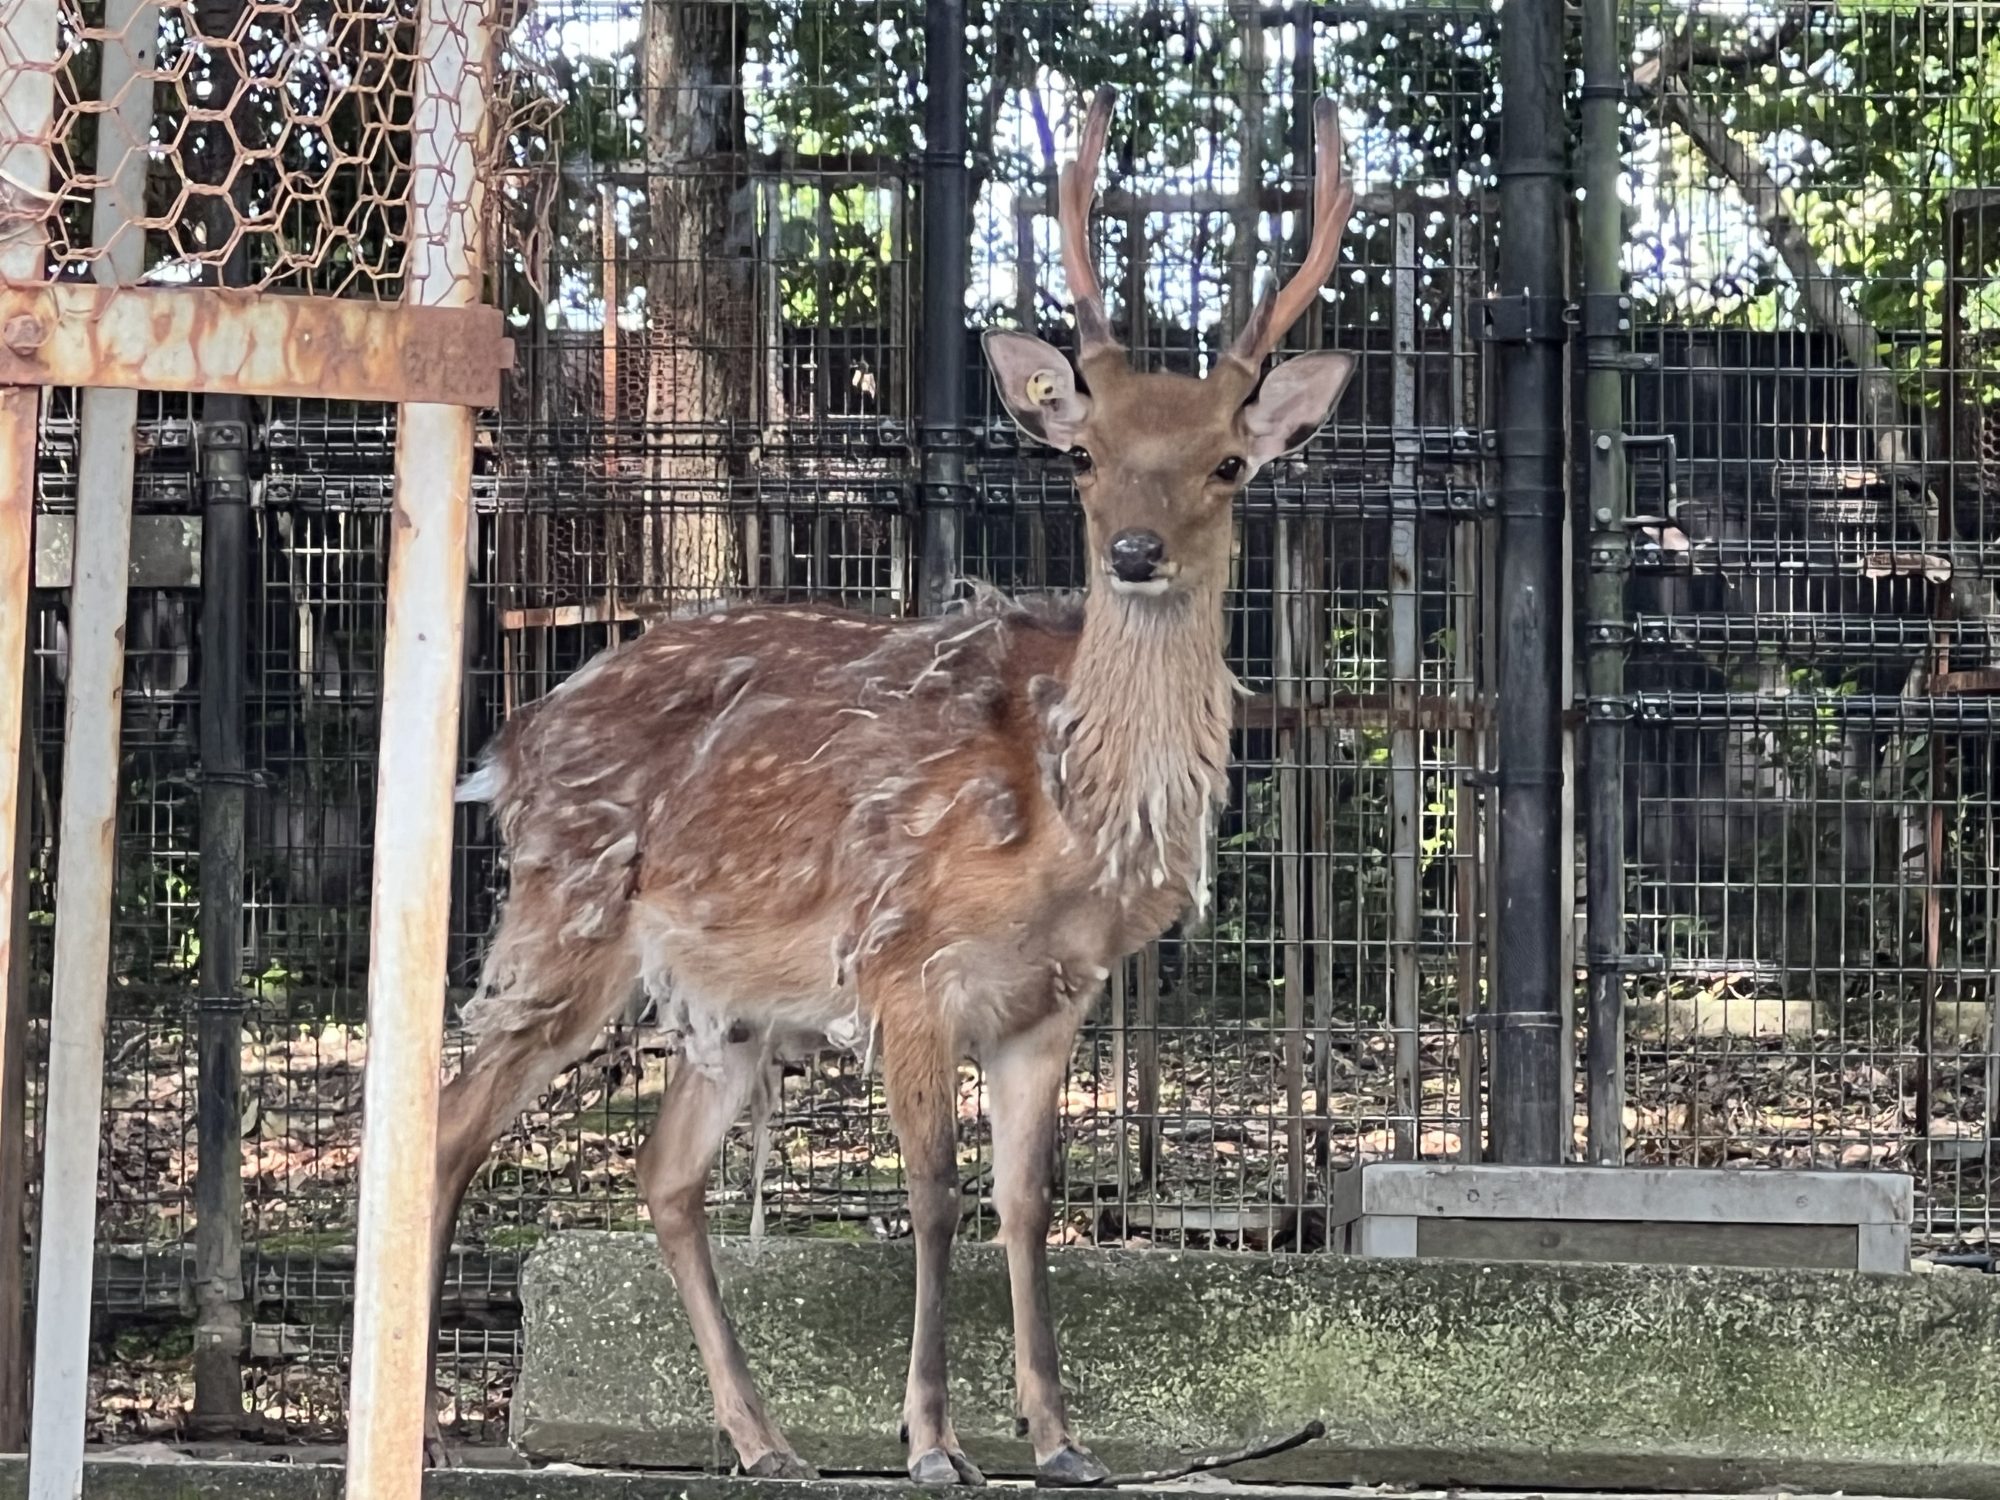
[1311, 1431]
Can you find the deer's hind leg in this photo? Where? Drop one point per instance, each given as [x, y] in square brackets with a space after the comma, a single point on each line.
[508, 1069]
[695, 1114]
[920, 1068]
[505, 1075]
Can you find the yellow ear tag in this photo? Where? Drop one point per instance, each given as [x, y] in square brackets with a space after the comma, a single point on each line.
[1041, 387]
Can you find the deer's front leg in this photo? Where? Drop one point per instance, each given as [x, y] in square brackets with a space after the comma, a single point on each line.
[920, 1070]
[1024, 1079]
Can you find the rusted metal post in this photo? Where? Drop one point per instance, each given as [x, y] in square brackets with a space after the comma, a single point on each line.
[414, 774]
[87, 848]
[86, 870]
[27, 83]
[14, 1120]
[86, 865]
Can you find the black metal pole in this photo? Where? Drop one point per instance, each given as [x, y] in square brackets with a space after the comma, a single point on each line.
[947, 269]
[218, 1278]
[224, 439]
[1606, 322]
[1531, 995]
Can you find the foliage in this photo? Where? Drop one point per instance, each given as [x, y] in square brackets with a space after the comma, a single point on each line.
[1868, 117]
[820, 82]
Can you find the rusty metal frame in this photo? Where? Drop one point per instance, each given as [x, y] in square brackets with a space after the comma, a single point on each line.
[220, 340]
[429, 570]
[438, 354]
[87, 841]
[28, 44]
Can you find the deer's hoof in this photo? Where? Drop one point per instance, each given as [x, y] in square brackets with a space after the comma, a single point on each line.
[437, 1453]
[781, 1463]
[940, 1466]
[1070, 1467]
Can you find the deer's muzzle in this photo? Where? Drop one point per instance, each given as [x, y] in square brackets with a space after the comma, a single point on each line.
[1138, 557]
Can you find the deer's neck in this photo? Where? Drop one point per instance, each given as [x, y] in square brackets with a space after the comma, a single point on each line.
[1142, 740]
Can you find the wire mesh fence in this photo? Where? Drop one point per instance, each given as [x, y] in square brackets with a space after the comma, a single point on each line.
[1806, 786]
[711, 255]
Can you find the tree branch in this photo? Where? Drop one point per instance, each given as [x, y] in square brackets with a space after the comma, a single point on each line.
[1759, 54]
[1664, 77]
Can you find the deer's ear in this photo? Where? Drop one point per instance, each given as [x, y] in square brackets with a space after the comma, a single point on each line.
[1293, 403]
[1038, 386]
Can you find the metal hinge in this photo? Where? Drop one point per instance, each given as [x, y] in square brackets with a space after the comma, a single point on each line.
[1606, 315]
[1522, 319]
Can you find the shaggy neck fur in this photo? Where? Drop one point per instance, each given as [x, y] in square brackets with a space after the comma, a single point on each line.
[1143, 738]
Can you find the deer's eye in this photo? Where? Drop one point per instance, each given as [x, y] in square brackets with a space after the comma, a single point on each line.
[1081, 458]
[1229, 470]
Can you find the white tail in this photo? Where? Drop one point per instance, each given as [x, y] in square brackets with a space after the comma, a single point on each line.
[791, 827]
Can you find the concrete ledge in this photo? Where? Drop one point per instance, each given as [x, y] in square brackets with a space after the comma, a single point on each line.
[110, 1477]
[1683, 1216]
[1425, 1372]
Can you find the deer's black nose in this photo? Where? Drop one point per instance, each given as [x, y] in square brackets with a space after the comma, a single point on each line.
[1137, 555]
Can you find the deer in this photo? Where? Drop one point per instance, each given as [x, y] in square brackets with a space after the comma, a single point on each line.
[790, 827]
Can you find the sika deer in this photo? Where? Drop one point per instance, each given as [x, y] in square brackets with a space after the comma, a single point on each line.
[933, 838]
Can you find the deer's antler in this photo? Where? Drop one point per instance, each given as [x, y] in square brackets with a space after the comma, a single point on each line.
[1333, 201]
[1074, 192]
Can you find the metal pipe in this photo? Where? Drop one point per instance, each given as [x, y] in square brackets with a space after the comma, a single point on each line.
[1530, 992]
[225, 543]
[947, 270]
[1609, 559]
[1242, 264]
[418, 759]
[1406, 833]
[218, 1183]
[219, 1199]
[27, 82]
[87, 847]
[1288, 576]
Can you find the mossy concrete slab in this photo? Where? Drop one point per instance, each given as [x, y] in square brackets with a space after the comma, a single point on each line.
[1433, 1372]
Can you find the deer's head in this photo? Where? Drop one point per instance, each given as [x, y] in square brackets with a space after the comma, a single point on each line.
[1160, 457]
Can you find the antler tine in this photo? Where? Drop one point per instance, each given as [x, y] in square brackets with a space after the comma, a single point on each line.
[1333, 201]
[1074, 193]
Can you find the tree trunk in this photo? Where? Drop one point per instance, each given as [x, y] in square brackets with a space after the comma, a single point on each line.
[699, 312]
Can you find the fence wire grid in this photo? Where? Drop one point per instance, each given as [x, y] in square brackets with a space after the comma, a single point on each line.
[708, 236]
[1807, 785]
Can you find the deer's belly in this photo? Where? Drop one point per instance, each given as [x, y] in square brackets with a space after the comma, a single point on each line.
[726, 987]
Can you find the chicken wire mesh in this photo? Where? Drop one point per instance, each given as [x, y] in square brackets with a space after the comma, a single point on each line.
[710, 250]
[259, 144]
